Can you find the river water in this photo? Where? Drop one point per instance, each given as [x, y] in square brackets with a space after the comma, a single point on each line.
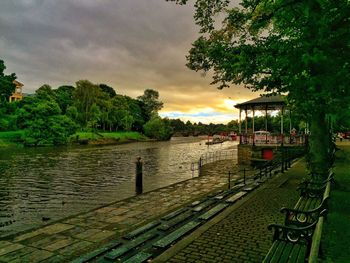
[41, 185]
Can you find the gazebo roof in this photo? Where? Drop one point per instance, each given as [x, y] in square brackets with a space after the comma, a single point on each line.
[264, 102]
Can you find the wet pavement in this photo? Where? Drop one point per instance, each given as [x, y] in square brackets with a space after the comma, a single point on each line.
[69, 238]
[238, 234]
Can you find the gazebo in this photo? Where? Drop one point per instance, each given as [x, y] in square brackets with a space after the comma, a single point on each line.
[261, 144]
[263, 103]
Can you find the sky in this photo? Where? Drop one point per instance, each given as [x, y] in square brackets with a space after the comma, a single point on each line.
[130, 45]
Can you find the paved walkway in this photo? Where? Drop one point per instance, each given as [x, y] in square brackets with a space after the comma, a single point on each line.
[69, 238]
[240, 233]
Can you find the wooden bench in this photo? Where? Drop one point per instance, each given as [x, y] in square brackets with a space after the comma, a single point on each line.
[291, 243]
[300, 237]
[307, 209]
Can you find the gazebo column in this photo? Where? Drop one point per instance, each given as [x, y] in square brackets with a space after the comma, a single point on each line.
[246, 125]
[240, 126]
[253, 126]
[290, 126]
[266, 123]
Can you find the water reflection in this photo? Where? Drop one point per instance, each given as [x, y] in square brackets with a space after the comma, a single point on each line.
[46, 183]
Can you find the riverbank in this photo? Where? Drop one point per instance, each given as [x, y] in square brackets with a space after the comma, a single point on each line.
[107, 138]
[11, 139]
[15, 138]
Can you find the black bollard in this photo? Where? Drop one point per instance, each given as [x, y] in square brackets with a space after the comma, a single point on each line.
[244, 176]
[229, 180]
[138, 182]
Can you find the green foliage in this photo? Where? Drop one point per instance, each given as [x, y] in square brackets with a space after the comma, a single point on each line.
[158, 128]
[64, 97]
[86, 94]
[7, 87]
[296, 47]
[44, 124]
[108, 90]
[150, 102]
[45, 92]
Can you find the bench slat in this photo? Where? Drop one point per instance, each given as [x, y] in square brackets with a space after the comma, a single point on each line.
[286, 252]
[295, 253]
[271, 252]
[278, 252]
[302, 255]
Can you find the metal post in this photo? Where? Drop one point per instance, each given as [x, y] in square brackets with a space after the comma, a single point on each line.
[199, 166]
[138, 181]
[260, 172]
[246, 121]
[229, 179]
[244, 176]
[282, 112]
[253, 126]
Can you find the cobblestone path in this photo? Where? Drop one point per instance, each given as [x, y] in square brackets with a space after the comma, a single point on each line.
[69, 238]
[242, 235]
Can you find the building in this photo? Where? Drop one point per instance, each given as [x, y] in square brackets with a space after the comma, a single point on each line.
[17, 94]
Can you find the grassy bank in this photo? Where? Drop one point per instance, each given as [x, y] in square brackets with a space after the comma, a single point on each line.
[336, 238]
[108, 137]
[11, 138]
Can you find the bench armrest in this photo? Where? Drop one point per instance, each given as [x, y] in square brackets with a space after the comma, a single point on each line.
[303, 217]
[292, 234]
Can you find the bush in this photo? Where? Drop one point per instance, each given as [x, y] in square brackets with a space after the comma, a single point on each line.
[157, 128]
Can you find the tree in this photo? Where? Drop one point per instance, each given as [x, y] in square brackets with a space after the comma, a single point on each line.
[64, 97]
[108, 90]
[158, 128]
[150, 102]
[296, 47]
[45, 92]
[85, 95]
[7, 87]
[95, 116]
[43, 123]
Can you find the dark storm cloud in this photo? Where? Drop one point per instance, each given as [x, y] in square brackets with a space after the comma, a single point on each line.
[129, 44]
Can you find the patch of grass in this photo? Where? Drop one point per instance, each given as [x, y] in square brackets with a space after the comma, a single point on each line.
[11, 138]
[336, 238]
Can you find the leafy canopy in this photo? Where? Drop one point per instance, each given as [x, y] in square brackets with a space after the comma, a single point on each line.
[7, 87]
[297, 47]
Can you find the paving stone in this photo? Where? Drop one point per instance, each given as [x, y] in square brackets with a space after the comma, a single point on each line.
[36, 256]
[55, 228]
[16, 254]
[28, 235]
[87, 233]
[60, 244]
[76, 248]
[102, 235]
[10, 248]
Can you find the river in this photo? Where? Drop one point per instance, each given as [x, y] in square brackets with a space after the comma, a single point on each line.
[41, 185]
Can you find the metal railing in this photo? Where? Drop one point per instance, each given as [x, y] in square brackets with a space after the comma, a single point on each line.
[272, 139]
[211, 157]
[282, 162]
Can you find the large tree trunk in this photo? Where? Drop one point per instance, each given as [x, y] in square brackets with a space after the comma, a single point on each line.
[319, 144]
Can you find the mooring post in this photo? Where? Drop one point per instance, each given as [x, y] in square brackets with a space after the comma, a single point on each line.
[138, 181]
[244, 175]
[229, 179]
[199, 166]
